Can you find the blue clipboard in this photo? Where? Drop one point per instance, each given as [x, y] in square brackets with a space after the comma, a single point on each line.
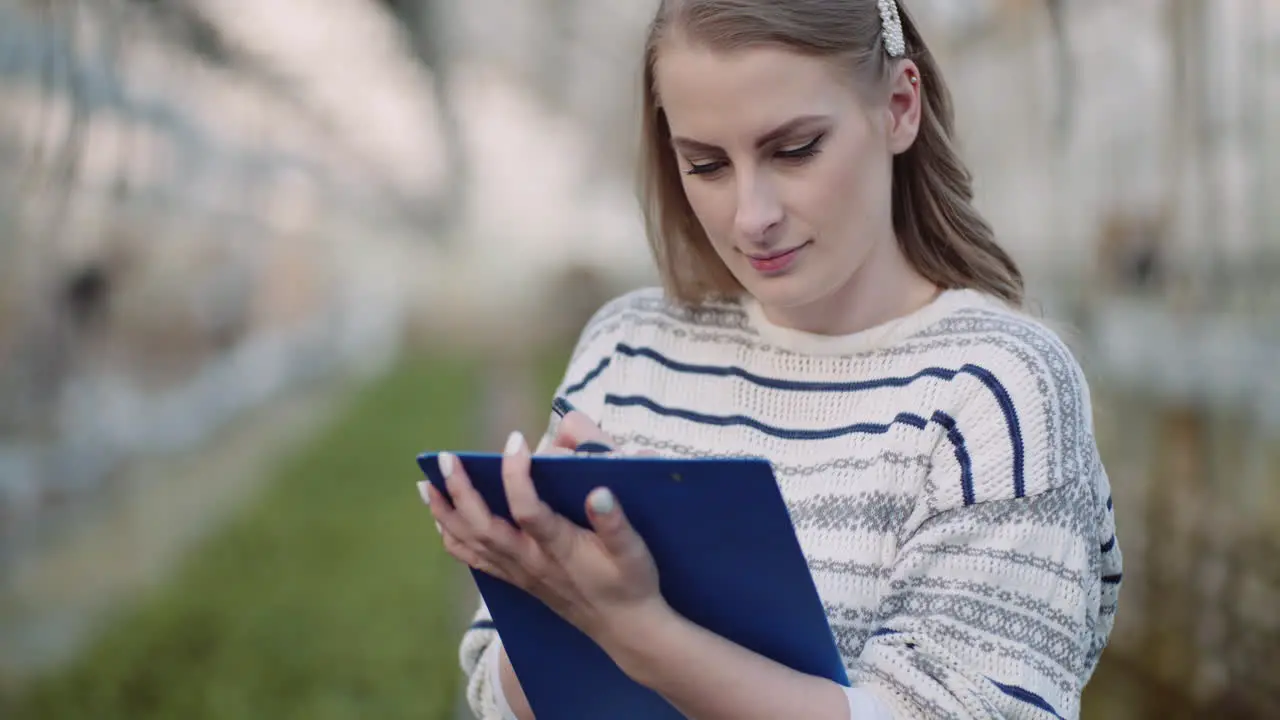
[727, 557]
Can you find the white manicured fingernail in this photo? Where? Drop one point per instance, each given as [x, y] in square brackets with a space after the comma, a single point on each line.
[515, 443]
[422, 490]
[446, 463]
[601, 501]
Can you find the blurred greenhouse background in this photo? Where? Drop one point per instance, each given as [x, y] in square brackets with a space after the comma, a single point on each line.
[254, 256]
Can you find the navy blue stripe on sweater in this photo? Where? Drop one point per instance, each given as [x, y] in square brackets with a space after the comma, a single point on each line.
[1026, 696]
[962, 454]
[986, 377]
[911, 419]
[586, 380]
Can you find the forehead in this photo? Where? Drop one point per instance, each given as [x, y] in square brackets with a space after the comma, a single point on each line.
[718, 96]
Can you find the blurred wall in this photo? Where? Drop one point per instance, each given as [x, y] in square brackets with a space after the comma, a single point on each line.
[186, 229]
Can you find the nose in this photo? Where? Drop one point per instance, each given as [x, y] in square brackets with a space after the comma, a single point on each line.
[759, 208]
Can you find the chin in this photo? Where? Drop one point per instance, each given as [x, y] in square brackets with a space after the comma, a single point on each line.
[793, 290]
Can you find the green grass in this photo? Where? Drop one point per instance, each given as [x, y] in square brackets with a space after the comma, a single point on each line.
[327, 597]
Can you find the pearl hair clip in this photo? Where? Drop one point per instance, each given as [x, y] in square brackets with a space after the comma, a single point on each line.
[891, 27]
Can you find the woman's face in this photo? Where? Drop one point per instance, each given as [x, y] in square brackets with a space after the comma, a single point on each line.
[786, 166]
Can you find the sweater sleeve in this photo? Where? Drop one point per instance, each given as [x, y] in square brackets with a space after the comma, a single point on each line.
[480, 644]
[1003, 590]
[583, 384]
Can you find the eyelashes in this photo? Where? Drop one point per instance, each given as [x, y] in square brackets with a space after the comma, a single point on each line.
[804, 152]
[704, 168]
[807, 150]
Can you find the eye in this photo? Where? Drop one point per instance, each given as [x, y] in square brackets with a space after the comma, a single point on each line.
[705, 168]
[807, 150]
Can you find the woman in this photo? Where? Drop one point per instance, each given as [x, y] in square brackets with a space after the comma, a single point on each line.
[833, 302]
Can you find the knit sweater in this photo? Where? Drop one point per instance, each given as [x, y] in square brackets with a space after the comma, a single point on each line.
[940, 471]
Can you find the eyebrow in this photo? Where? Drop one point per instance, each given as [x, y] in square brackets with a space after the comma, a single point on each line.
[786, 128]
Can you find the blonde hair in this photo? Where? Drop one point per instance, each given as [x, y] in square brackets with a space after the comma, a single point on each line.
[941, 234]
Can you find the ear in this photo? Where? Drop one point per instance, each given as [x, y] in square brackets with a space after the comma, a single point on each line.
[906, 105]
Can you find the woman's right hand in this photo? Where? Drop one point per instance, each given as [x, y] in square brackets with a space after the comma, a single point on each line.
[576, 429]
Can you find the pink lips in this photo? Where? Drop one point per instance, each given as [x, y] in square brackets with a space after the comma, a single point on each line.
[777, 262]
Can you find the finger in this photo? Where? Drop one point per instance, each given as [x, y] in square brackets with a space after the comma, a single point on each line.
[548, 529]
[432, 496]
[496, 542]
[576, 428]
[424, 491]
[470, 506]
[437, 503]
[461, 551]
[447, 519]
[522, 498]
[611, 525]
[468, 556]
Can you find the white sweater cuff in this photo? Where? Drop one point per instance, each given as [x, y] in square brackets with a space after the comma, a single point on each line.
[865, 706]
[495, 681]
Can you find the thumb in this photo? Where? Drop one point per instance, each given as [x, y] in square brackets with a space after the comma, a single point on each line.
[611, 525]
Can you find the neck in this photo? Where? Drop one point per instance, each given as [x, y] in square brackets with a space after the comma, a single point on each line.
[886, 287]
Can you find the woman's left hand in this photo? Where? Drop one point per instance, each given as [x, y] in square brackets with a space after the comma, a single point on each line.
[600, 580]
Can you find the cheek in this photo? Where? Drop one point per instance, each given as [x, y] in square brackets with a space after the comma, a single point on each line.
[712, 203]
[823, 198]
[838, 196]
